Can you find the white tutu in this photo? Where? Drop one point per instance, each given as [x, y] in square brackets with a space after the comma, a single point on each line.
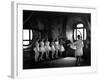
[61, 48]
[57, 47]
[36, 49]
[42, 49]
[47, 48]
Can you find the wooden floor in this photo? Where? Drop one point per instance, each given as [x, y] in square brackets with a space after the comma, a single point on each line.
[62, 62]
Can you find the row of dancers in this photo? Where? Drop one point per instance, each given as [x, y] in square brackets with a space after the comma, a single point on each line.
[46, 47]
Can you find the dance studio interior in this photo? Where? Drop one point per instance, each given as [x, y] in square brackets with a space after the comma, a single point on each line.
[48, 39]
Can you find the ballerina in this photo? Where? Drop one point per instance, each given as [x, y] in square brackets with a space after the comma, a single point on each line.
[42, 49]
[47, 48]
[53, 49]
[36, 49]
[57, 47]
[61, 49]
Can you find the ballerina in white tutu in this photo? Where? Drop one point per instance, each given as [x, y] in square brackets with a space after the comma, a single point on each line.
[53, 49]
[57, 47]
[47, 48]
[42, 49]
[62, 49]
[36, 49]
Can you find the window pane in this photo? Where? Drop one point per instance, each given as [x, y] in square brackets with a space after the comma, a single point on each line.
[25, 34]
[31, 34]
[25, 46]
[26, 42]
[80, 32]
[84, 34]
[80, 25]
[74, 34]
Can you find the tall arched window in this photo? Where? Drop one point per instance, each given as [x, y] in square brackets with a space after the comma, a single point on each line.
[79, 29]
[27, 37]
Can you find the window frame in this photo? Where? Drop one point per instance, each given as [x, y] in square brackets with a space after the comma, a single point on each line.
[30, 40]
[75, 27]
